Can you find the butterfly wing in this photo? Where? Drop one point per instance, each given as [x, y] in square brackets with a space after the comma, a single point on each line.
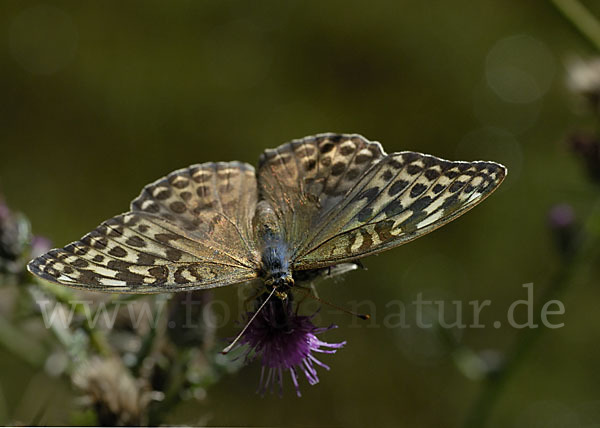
[389, 200]
[189, 230]
[306, 178]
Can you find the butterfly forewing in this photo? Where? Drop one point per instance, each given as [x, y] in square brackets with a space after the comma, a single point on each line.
[355, 200]
[403, 197]
[186, 231]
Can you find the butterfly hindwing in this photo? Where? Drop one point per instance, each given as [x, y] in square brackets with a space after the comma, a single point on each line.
[212, 203]
[187, 231]
[306, 178]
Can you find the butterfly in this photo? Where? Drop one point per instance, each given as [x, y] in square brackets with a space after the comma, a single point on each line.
[314, 203]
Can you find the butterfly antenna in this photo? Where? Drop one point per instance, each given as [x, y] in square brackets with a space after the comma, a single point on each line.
[339, 308]
[237, 338]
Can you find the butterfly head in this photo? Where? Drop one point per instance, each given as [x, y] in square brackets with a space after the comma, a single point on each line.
[282, 282]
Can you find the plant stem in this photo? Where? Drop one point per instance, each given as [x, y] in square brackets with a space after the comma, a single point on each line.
[148, 341]
[575, 263]
[17, 342]
[496, 382]
[581, 18]
[177, 381]
[97, 338]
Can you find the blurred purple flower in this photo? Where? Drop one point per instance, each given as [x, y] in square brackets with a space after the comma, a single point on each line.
[16, 242]
[4, 211]
[562, 219]
[561, 216]
[40, 245]
[587, 147]
[14, 238]
[286, 341]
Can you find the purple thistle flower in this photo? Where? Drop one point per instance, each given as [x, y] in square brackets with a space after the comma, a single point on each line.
[562, 221]
[15, 235]
[587, 147]
[286, 342]
[561, 216]
[40, 245]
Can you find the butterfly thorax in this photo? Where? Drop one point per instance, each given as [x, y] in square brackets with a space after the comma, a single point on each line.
[275, 265]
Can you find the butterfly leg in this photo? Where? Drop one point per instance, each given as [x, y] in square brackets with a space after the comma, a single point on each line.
[314, 290]
[306, 292]
[252, 298]
[308, 276]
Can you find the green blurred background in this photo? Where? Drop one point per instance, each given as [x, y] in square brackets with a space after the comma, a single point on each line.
[100, 98]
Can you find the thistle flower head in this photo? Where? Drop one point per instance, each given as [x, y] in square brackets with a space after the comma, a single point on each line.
[562, 221]
[14, 238]
[561, 216]
[584, 79]
[286, 342]
[587, 148]
[39, 246]
[118, 398]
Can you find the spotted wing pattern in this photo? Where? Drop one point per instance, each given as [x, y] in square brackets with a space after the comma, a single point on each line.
[382, 203]
[189, 230]
[307, 178]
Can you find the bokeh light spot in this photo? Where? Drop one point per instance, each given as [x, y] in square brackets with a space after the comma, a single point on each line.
[520, 69]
